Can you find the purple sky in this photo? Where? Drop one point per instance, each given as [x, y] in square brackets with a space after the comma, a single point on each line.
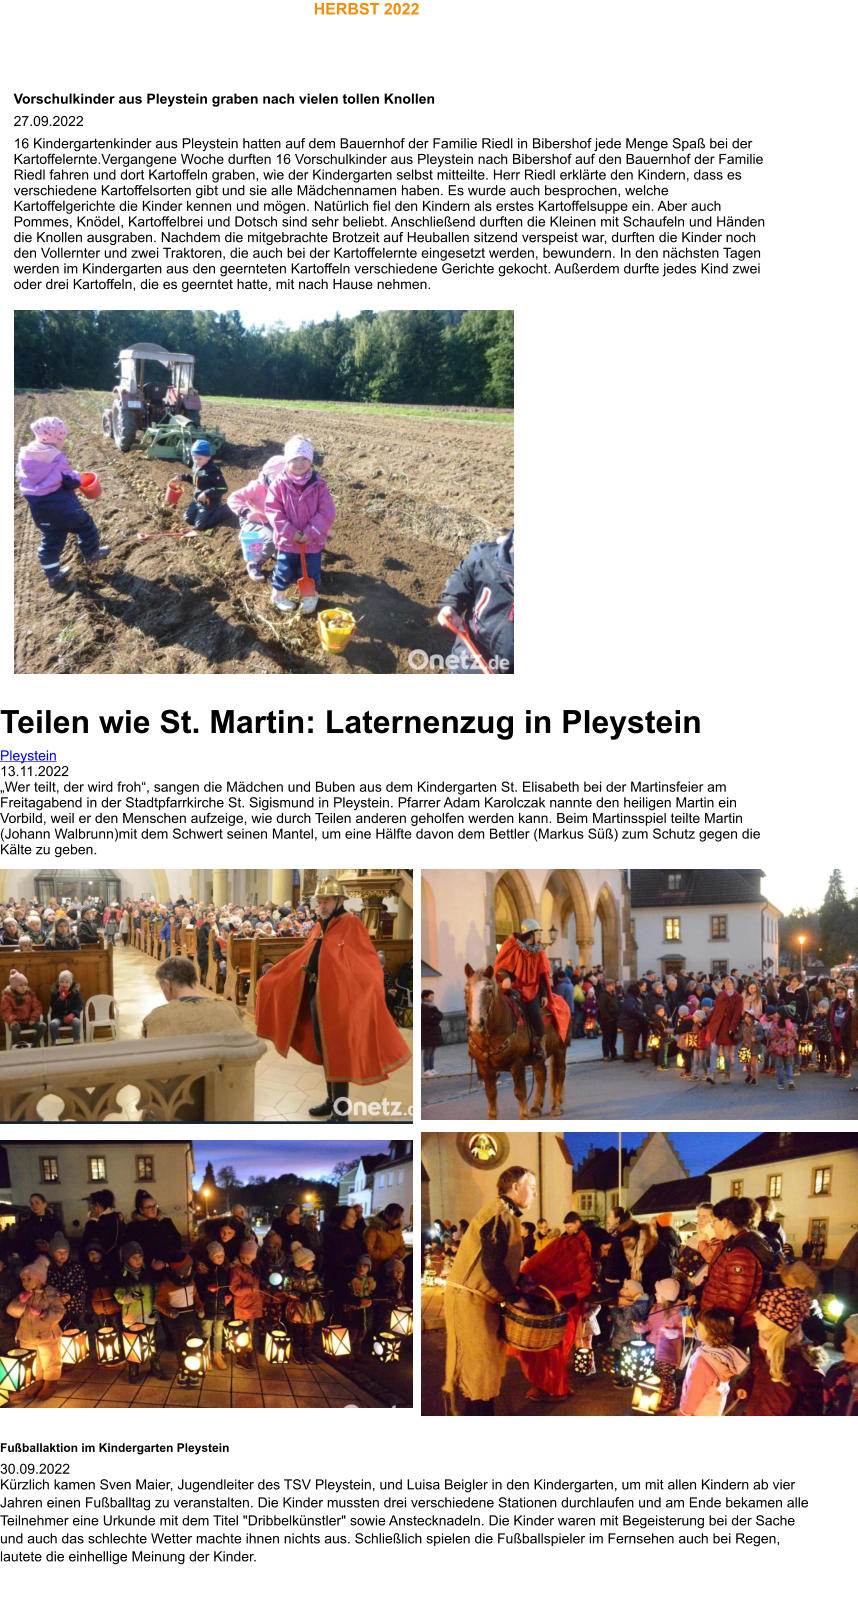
[697, 1149]
[268, 1157]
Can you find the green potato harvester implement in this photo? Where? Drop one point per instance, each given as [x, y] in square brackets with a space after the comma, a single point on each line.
[163, 409]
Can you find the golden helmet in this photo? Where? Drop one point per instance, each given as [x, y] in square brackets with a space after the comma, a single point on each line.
[330, 888]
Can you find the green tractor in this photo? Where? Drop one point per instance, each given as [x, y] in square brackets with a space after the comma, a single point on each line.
[164, 409]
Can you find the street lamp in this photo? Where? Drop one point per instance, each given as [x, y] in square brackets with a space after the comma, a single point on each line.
[205, 1194]
[801, 942]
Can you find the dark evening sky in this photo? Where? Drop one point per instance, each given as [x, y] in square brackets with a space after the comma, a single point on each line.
[697, 1149]
[268, 1157]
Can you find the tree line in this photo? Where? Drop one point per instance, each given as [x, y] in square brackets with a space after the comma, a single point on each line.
[831, 930]
[460, 359]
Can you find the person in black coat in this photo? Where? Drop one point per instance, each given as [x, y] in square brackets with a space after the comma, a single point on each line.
[106, 1230]
[430, 1031]
[156, 1234]
[88, 932]
[342, 1245]
[480, 595]
[632, 1022]
[609, 1018]
[33, 1235]
[291, 1229]
[204, 508]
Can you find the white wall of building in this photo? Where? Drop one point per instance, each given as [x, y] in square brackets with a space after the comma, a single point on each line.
[172, 1164]
[656, 1161]
[752, 937]
[394, 1185]
[457, 1189]
[799, 1204]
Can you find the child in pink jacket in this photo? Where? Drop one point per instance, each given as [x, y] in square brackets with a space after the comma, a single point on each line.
[256, 532]
[39, 1309]
[712, 1367]
[300, 508]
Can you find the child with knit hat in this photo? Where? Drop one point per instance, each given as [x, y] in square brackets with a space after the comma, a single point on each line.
[177, 1299]
[48, 484]
[304, 1309]
[135, 1295]
[213, 1281]
[255, 529]
[245, 1285]
[300, 509]
[665, 1328]
[39, 1310]
[358, 1302]
[786, 1376]
[69, 1279]
[21, 1011]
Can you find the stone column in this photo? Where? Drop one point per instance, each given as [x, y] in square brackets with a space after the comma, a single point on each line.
[281, 886]
[220, 886]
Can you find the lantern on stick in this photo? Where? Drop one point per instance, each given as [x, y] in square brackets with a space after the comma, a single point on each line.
[278, 1346]
[74, 1347]
[402, 1320]
[336, 1342]
[721, 1062]
[386, 1347]
[108, 1346]
[805, 1048]
[236, 1337]
[16, 1370]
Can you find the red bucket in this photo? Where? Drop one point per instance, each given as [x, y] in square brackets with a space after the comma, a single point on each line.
[172, 493]
[90, 487]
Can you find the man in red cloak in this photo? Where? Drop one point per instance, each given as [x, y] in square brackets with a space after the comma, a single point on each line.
[522, 966]
[326, 1000]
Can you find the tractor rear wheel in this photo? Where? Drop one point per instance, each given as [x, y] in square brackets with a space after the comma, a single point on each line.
[124, 427]
[193, 416]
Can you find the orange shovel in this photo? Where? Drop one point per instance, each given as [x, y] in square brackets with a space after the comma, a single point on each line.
[477, 656]
[306, 586]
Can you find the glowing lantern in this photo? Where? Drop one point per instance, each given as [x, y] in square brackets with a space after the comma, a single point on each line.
[832, 1307]
[653, 1040]
[275, 1279]
[584, 1362]
[805, 1048]
[744, 1055]
[74, 1347]
[108, 1346]
[386, 1347]
[16, 1370]
[138, 1342]
[236, 1337]
[680, 1061]
[635, 1360]
[336, 1341]
[691, 1040]
[402, 1320]
[647, 1396]
[721, 1062]
[194, 1362]
[591, 1026]
[278, 1346]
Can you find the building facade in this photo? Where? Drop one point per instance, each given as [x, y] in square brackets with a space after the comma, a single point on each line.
[65, 1173]
[713, 920]
[811, 1178]
[461, 1170]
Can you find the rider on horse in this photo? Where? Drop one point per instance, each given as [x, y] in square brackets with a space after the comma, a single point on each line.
[523, 970]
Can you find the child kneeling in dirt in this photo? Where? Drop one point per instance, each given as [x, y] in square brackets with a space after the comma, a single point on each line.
[479, 597]
[48, 484]
[256, 532]
[204, 508]
[301, 510]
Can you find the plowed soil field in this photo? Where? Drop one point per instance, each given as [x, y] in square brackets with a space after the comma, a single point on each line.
[412, 493]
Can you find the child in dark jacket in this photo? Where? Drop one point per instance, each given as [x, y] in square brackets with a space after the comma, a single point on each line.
[358, 1302]
[214, 1290]
[70, 1282]
[48, 484]
[304, 1309]
[178, 1301]
[66, 1007]
[204, 509]
[430, 1031]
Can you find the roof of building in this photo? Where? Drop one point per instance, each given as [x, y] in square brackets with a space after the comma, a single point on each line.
[649, 888]
[599, 1171]
[778, 1146]
[686, 1193]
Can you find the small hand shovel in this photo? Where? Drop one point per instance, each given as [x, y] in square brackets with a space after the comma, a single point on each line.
[306, 586]
[477, 656]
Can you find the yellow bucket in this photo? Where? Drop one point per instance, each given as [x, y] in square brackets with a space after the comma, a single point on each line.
[336, 628]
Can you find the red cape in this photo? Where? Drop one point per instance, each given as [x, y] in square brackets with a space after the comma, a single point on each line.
[360, 1041]
[532, 971]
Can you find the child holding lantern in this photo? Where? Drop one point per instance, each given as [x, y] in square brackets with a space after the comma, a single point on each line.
[135, 1295]
[358, 1302]
[213, 1287]
[665, 1328]
[39, 1310]
[246, 1289]
[304, 1308]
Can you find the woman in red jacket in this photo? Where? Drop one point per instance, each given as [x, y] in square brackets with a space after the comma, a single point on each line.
[736, 1274]
[722, 1029]
[565, 1267]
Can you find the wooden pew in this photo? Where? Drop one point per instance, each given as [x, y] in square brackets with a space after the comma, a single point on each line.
[92, 968]
[239, 951]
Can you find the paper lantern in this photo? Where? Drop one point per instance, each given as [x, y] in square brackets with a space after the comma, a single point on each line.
[278, 1346]
[647, 1396]
[721, 1062]
[591, 1026]
[805, 1048]
[74, 1346]
[691, 1039]
[138, 1341]
[402, 1320]
[236, 1337]
[680, 1061]
[336, 1341]
[653, 1040]
[584, 1362]
[193, 1362]
[16, 1370]
[275, 1279]
[108, 1346]
[386, 1347]
[635, 1360]
[744, 1055]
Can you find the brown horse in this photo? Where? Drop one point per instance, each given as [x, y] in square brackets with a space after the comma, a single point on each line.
[498, 1040]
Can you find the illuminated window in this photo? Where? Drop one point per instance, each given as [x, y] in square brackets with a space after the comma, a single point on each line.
[49, 1169]
[736, 1189]
[775, 1187]
[718, 927]
[671, 930]
[145, 1165]
[822, 1182]
[97, 1167]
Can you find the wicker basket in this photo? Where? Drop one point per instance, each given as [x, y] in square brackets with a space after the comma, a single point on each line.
[535, 1332]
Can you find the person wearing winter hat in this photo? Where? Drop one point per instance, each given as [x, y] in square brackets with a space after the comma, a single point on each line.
[66, 1008]
[135, 1294]
[255, 529]
[665, 1328]
[245, 1285]
[204, 510]
[304, 1308]
[300, 509]
[840, 1388]
[48, 484]
[358, 1305]
[69, 1280]
[178, 1301]
[786, 1371]
[213, 1279]
[39, 1310]
[21, 1011]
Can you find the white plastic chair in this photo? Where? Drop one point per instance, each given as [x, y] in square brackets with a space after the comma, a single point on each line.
[101, 1013]
[26, 1031]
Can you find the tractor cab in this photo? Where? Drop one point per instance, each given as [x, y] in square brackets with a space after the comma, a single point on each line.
[153, 386]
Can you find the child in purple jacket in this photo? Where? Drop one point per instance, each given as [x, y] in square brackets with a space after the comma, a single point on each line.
[48, 484]
[301, 511]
